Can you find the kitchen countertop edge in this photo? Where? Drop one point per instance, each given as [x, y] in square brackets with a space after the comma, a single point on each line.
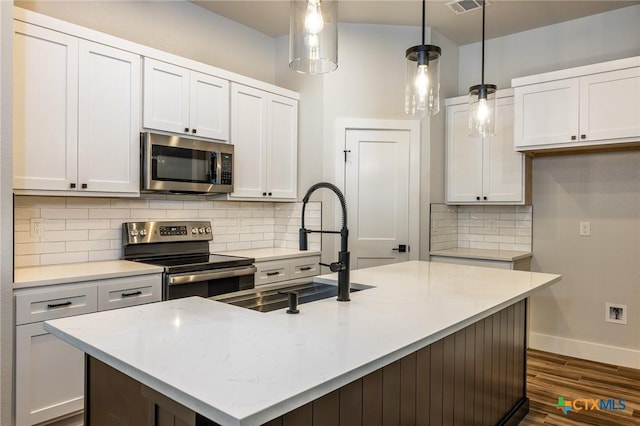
[483, 254]
[69, 273]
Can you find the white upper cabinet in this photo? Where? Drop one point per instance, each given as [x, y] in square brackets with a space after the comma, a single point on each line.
[580, 107]
[179, 100]
[483, 170]
[264, 132]
[76, 114]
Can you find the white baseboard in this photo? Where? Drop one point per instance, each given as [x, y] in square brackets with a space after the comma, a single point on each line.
[586, 350]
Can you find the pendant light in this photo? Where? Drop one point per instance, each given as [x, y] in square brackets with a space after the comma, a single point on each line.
[313, 36]
[482, 101]
[422, 85]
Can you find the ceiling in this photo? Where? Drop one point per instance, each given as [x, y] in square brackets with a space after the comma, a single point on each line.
[503, 17]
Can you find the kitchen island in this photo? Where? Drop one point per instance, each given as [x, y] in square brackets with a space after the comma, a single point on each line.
[428, 342]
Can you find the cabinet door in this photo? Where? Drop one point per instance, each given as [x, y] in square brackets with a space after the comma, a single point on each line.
[209, 111]
[464, 158]
[166, 97]
[49, 376]
[282, 150]
[249, 137]
[610, 105]
[546, 113]
[109, 119]
[502, 176]
[45, 108]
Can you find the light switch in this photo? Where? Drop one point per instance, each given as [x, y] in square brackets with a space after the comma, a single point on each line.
[585, 229]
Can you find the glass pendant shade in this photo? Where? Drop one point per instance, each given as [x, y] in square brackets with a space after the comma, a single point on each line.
[482, 110]
[313, 36]
[422, 84]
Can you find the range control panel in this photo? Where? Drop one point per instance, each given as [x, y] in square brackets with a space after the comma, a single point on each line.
[157, 232]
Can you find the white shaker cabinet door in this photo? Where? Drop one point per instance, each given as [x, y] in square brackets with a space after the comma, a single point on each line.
[209, 106]
[610, 105]
[45, 105]
[50, 374]
[464, 158]
[166, 97]
[109, 119]
[249, 137]
[282, 151]
[503, 168]
[547, 113]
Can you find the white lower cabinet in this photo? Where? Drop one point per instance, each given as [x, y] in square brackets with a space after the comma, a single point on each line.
[49, 373]
[275, 271]
[49, 376]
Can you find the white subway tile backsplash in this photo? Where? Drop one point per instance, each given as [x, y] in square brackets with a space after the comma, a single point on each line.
[79, 229]
[495, 227]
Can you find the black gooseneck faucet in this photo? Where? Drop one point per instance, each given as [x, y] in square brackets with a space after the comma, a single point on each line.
[342, 265]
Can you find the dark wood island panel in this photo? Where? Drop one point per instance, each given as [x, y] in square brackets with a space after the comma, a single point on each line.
[475, 376]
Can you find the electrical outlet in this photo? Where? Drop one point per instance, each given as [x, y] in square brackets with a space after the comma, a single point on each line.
[616, 313]
[37, 228]
[585, 229]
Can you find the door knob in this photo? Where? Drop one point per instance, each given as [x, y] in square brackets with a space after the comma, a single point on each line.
[402, 248]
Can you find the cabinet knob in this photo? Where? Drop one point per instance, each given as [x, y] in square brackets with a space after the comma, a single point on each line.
[478, 198]
[84, 186]
[484, 198]
[193, 131]
[186, 129]
[264, 194]
[72, 185]
[269, 194]
[583, 136]
[573, 137]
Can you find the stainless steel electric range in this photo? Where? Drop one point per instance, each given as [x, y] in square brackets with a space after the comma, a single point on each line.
[182, 249]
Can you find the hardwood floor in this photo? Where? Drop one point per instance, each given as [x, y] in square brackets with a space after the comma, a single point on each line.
[550, 376]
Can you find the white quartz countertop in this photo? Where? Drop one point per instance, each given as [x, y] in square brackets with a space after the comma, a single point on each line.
[35, 276]
[242, 367]
[485, 254]
[271, 253]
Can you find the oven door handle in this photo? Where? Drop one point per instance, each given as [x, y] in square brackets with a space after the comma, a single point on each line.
[205, 276]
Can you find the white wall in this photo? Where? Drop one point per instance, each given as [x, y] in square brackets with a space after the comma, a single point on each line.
[6, 213]
[178, 27]
[598, 38]
[601, 188]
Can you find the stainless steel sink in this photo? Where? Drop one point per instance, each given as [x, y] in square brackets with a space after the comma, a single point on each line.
[273, 299]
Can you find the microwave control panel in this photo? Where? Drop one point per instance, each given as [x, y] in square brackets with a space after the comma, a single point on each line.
[226, 168]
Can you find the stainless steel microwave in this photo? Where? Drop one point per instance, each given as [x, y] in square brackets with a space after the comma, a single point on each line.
[182, 165]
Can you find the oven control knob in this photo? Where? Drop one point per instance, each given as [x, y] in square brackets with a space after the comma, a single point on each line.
[201, 230]
[134, 233]
[207, 230]
[194, 230]
[143, 232]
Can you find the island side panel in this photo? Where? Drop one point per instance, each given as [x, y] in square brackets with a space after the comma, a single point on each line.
[475, 376]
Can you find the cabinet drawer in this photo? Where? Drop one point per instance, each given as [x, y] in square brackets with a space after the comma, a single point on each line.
[131, 291]
[271, 272]
[40, 305]
[305, 267]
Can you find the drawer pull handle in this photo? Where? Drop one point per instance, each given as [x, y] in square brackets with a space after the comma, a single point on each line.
[306, 268]
[133, 293]
[58, 305]
[271, 274]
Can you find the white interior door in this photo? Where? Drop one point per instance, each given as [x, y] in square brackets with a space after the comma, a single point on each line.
[382, 193]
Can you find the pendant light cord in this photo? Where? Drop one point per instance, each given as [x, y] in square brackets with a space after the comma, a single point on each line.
[423, 22]
[484, 2]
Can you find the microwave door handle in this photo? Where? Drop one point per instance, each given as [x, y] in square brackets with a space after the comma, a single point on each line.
[193, 278]
[213, 168]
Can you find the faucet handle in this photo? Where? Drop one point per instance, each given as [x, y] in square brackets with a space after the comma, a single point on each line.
[335, 266]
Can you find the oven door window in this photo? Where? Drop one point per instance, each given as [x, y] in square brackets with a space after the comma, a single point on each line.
[174, 164]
